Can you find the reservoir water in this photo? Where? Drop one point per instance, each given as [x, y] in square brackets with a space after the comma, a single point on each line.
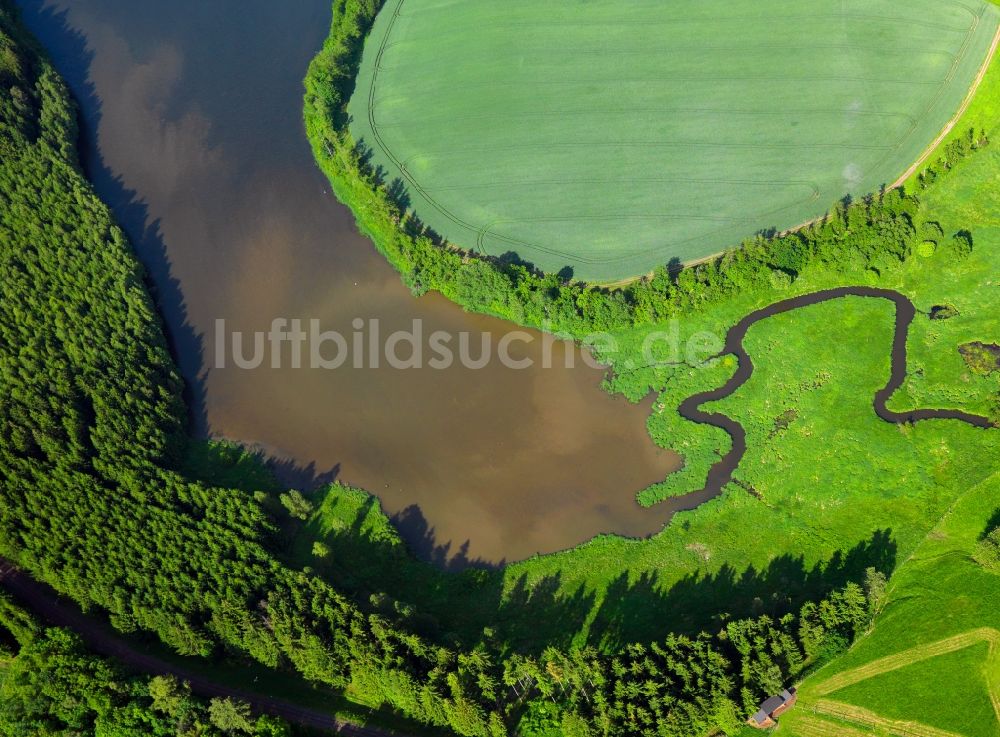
[192, 133]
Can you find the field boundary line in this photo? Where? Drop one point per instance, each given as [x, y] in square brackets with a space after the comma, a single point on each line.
[992, 674]
[721, 47]
[678, 79]
[909, 657]
[950, 126]
[653, 144]
[977, 18]
[448, 32]
[860, 716]
[914, 554]
[811, 186]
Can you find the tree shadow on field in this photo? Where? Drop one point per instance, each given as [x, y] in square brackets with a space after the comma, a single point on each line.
[366, 158]
[448, 596]
[398, 195]
[992, 524]
[641, 610]
[565, 274]
[555, 616]
[437, 588]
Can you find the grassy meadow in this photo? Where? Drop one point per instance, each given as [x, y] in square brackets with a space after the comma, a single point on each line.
[948, 692]
[813, 503]
[939, 601]
[939, 591]
[574, 137]
[813, 507]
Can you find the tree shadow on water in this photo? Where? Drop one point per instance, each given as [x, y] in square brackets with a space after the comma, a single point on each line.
[422, 541]
[68, 48]
[307, 478]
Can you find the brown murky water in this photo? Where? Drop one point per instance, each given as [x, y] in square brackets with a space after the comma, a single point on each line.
[193, 134]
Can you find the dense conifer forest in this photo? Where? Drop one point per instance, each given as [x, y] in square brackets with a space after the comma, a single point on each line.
[50, 685]
[94, 501]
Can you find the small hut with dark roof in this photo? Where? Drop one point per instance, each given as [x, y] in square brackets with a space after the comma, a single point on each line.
[771, 709]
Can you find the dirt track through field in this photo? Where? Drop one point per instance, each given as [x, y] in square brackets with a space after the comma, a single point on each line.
[873, 721]
[909, 657]
[811, 726]
[958, 116]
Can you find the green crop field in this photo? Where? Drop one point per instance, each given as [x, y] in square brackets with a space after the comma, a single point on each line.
[946, 692]
[612, 138]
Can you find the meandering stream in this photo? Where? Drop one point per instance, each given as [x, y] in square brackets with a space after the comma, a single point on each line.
[722, 472]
